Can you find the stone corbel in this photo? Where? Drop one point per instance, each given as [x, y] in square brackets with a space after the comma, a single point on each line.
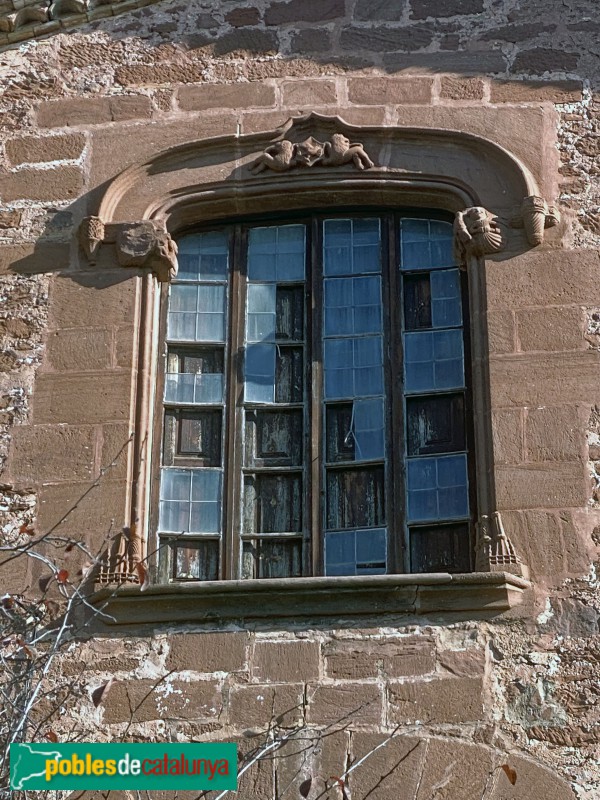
[144, 244]
[535, 216]
[494, 550]
[477, 232]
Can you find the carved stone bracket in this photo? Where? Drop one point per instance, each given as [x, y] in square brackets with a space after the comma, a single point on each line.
[494, 550]
[536, 215]
[285, 155]
[476, 233]
[138, 244]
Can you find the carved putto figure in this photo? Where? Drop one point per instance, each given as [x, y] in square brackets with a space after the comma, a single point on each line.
[476, 233]
[285, 155]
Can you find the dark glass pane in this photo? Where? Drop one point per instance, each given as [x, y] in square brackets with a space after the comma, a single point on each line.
[274, 438]
[417, 302]
[355, 498]
[361, 552]
[288, 375]
[272, 558]
[435, 424]
[444, 548]
[195, 561]
[290, 313]
[437, 488]
[199, 435]
[340, 440]
[273, 503]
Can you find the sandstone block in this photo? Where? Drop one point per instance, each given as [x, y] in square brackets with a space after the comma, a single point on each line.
[34, 149]
[352, 703]
[378, 10]
[78, 349]
[544, 59]
[142, 701]
[382, 39]
[42, 453]
[516, 33]
[556, 433]
[116, 443]
[311, 40]
[388, 91]
[257, 705]
[286, 661]
[450, 700]
[304, 11]
[82, 399]
[233, 95]
[454, 88]
[467, 783]
[535, 91]
[92, 111]
[104, 301]
[548, 485]
[238, 17]
[508, 436]
[30, 258]
[367, 658]
[61, 183]
[501, 331]
[308, 93]
[395, 764]
[208, 652]
[157, 74]
[463, 663]
[559, 328]
[421, 9]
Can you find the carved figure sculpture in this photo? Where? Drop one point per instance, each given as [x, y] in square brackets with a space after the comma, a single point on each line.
[91, 236]
[284, 155]
[476, 233]
[537, 215]
[341, 151]
[143, 244]
[279, 157]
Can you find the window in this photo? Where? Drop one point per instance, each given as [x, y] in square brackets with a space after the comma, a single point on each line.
[315, 401]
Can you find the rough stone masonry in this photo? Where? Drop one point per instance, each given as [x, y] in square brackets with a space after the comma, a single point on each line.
[86, 93]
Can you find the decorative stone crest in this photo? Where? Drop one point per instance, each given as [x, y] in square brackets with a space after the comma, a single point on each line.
[494, 550]
[285, 155]
[536, 215]
[476, 233]
[138, 244]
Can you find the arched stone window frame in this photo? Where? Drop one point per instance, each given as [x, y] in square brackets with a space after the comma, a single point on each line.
[492, 195]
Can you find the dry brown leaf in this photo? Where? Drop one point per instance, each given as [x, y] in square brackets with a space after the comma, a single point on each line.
[510, 773]
[62, 575]
[99, 693]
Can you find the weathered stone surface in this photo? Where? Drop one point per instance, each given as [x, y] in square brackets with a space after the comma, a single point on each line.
[60, 183]
[397, 763]
[208, 652]
[453, 88]
[82, 398]
[355, 703]
[234, 95]
[144, 700]
[377, 91]
[543, 59]
[34, 149]
[466, 62]
[517, 33]
[258, 705]
[240, 41]
[157, 74]
[555, 433]
[381, 39]
[547, 485]
[10, 219]
[304, 11]
[439, 700]
[559, 328]
[78, 349]
[105, 300]
[52, 453]
[508, 437]
[390, 657]
[440, 767]
[311, 40]
[501, 331]
[420, 9]
[238, 17]
[80, 111]
[308, 94]
[279, 662]
[463, 663]
[379, 10]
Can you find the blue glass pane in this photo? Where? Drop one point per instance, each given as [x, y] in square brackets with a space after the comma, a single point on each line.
[190, 501]
[261, 304]
[276, 253]
[197, 313]
[433, 360]
[183, 387]
[356, 552]
[203, 257]
[426, 244]
[351, 246]
[368, 429]
[352, 306]
[437, 488]
[259, 384]
[353, 367]
[446, 311]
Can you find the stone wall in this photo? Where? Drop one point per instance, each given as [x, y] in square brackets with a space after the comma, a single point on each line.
[76, 108]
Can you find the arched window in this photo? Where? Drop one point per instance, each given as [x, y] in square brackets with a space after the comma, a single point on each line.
[316, 411]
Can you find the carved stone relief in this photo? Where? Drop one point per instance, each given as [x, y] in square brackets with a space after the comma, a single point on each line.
[138, 244]
[285, 155]
[494, 552]
[476, 233]
[536, 215]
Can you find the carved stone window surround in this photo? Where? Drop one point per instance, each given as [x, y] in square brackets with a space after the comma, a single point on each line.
[213, 180]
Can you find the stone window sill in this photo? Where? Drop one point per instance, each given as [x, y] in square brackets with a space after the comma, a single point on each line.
[475, 595]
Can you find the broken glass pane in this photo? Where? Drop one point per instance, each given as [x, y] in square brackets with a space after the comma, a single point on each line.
[272, 558]
[443, 548]
[355, 498]
[195, 561]
[446, 311]
[274, 438]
